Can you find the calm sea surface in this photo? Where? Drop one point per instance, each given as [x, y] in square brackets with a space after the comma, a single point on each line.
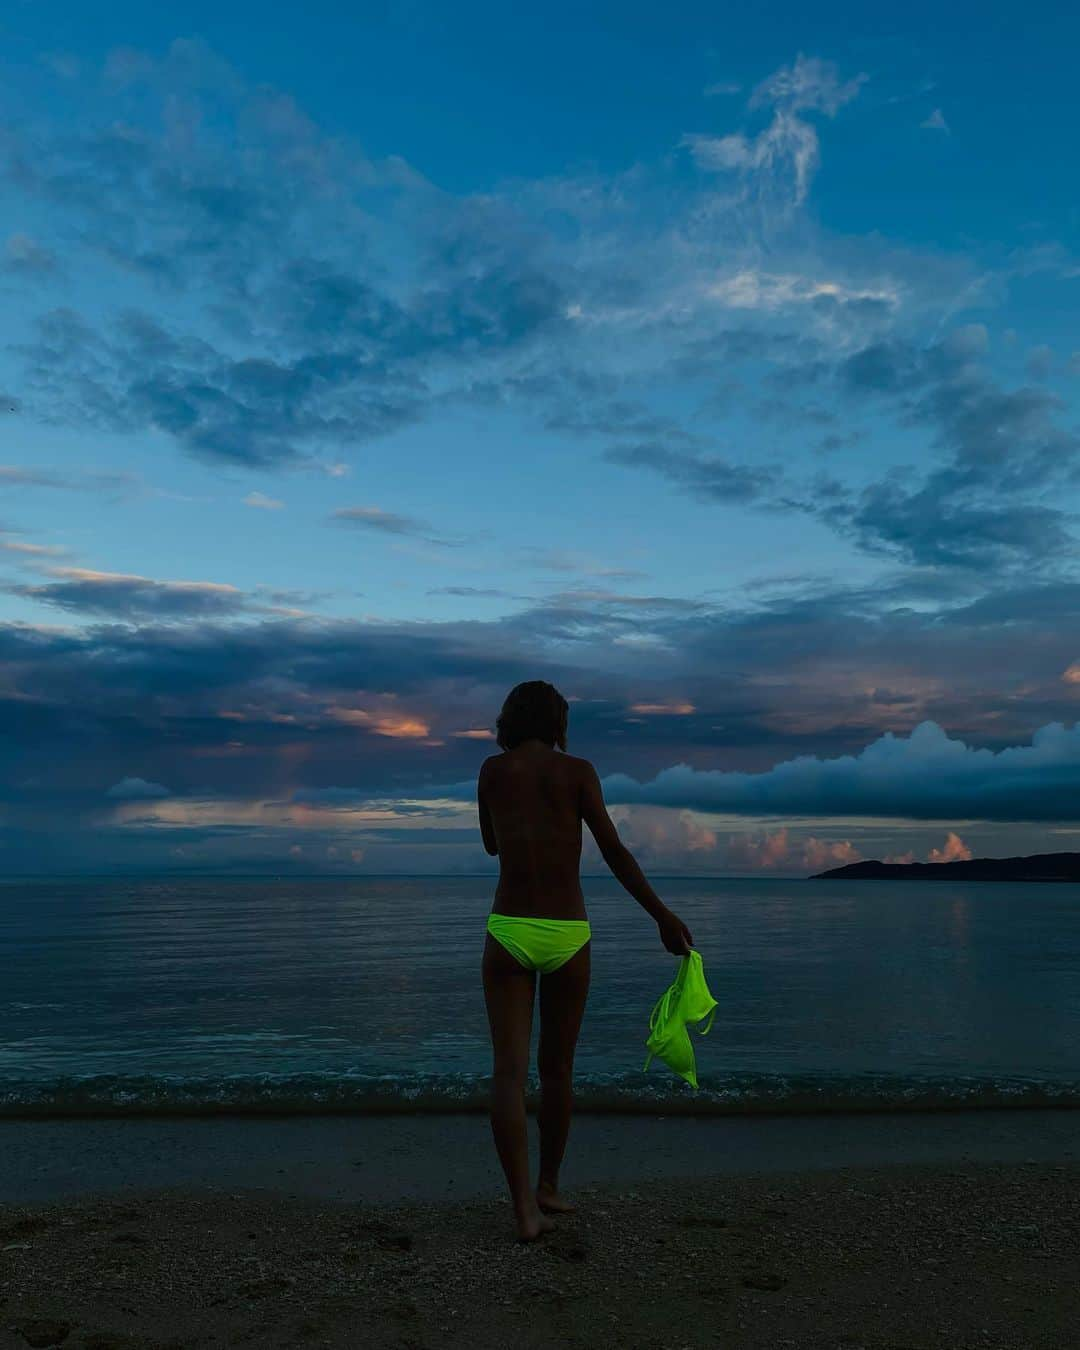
[319, 994]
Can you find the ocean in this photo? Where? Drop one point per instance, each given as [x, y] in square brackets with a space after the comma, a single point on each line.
[202, 995]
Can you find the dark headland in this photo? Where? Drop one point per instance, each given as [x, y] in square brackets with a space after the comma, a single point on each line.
[1039, 867]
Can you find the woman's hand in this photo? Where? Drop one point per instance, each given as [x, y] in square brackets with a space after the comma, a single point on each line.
[674, 934]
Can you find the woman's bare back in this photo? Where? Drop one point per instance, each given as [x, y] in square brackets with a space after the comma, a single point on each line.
[531, 797]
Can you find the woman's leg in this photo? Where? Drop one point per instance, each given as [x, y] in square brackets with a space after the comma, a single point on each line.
[562, 1005]
[508, 992]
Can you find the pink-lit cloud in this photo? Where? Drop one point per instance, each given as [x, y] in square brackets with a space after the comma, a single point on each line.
[395, 724]
[658, 836]
[780, 852]
[954, 850]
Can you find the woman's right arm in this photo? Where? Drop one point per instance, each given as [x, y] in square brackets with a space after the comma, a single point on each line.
[673, 932]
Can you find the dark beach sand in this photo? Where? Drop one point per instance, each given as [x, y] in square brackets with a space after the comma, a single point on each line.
[905, 1231]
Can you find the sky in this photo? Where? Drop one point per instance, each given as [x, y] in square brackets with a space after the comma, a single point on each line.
[719, 365]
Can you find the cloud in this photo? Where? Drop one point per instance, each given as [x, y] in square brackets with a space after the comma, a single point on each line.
[661, 838]
[954, 850]
[935, 122]
[472, 592]
[760, 290]
[31, 550]
[704, 324]
[936, 526]
[65, 65]
[779, 852]
[17, 475]
[263, 503]
[1040, 362]
[385, 722]
[707, 477]
[136, 789]
[25, 257]
[722, 88]
[389, 522]
[570, 560]
[373, 517]
[312, 337]
[926, 776]
[125, 595]
[984, 507]
[779, 162]
[801, 677]
[307, 342]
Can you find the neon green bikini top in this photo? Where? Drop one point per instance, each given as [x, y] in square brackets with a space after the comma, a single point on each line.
[687, 1000]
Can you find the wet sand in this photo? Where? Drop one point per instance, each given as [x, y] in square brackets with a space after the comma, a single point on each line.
[708, 1241]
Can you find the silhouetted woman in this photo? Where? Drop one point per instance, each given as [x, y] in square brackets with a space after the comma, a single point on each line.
[532, 799]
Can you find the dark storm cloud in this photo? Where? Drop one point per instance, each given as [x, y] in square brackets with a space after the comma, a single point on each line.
[926, 776]
[1022, 605]
[261, 711]
[778, 660]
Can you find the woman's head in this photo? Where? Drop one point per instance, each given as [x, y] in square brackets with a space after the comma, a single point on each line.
[534, 710]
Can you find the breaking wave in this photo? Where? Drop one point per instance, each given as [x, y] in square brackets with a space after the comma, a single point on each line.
[637, 1093]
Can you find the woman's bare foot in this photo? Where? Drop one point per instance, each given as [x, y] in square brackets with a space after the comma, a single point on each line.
[533, 1224]
[550, 1201]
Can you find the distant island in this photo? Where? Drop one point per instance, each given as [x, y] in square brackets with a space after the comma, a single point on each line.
[1039, 867]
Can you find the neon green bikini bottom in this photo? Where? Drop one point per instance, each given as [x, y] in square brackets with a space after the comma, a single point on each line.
[539, 944]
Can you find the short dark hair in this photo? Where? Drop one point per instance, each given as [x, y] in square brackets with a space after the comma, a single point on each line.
[533, 709]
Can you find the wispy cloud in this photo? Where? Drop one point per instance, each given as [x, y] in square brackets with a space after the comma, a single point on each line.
[25, 256]
[390, 522]
[780, 160]
[722, 88]
[136, 789]
[935, 121]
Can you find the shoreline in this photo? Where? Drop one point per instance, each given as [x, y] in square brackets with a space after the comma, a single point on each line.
[388, 1158]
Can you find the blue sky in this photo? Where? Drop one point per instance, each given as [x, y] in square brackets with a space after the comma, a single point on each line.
[720, 367]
